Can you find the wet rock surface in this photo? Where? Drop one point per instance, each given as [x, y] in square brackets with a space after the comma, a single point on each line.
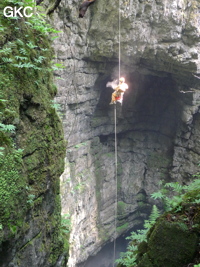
[157, 125]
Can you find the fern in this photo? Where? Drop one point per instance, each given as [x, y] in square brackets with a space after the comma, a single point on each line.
[58, 66]
[7, 128]
[1, 150]
[66, 223]
[26, 65]
[158, 195]
[20, 3]
[129, 257]
[175, 186]
[23, 51]
[21, 58]
[174, 202]
[7, 60]
[31, 45]
[20, 42]
[39, 59]
[6, 51]
[194, 185]
[154, 215]
[169, 202]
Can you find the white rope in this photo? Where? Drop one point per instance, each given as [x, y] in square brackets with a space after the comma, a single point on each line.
[119, 39]
[115, 213]
[116, 163]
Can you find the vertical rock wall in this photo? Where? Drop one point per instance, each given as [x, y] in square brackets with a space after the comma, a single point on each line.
[157, 126]
[32, 155]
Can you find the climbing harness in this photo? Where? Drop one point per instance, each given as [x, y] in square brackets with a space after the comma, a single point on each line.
[119, 40]
[116, 163]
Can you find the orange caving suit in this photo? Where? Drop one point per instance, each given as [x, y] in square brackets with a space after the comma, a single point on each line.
[119, 92]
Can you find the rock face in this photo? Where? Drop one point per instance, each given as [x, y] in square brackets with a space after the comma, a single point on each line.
[32, 155]
[157, 125]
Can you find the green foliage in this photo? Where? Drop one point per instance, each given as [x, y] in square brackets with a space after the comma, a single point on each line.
[80, 145]
[37, 21]
[173, 194]
[129, 257]
[58, 66]
[16, 52]
[31, 198]
[26, 91]
[57, 107]
[152, 218]
[3, 103]
[65, 230]
[1, 150]
[121, 209]
[10, 181]
[65, 223]
[122, 228]
[7, 128]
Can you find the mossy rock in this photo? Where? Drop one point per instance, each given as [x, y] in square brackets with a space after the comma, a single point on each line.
[170, 245]
[32, 155]
[146, 261]
[142, 249]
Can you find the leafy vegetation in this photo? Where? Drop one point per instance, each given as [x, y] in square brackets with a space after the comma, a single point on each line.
[24, 52]
[129, 258]
[10, 182]
[65, 229]
[31, 138]
[180, 203]
[173, 194]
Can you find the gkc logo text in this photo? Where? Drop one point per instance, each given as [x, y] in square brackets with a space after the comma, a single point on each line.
[17, 11]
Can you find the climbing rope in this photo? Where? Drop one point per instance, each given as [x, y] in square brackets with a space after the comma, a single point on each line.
[119, 26]
[116, 163]
[115, 214]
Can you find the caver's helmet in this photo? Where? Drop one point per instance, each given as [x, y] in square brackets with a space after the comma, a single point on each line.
[122, 79]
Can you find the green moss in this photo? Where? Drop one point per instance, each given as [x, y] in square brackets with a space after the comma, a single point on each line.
[12, 186]
[191, 196]
[171, 245]
[29, 184]
[145, 262]
[156, 160]
[173, 240]
[121, 208]
[103, 233]
[122, 228]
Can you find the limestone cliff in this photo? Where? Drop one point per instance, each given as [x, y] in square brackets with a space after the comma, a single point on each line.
[32, 147]
[157, 126]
